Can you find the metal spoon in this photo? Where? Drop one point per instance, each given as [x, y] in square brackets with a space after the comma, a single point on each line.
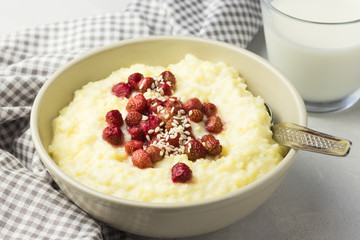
[302, 138]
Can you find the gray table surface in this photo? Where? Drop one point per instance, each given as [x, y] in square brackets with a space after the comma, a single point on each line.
[320, 197]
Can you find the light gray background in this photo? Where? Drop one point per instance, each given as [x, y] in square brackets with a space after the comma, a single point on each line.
[319, 199]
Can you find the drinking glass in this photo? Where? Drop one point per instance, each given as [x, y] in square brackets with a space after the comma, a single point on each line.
[316, 44]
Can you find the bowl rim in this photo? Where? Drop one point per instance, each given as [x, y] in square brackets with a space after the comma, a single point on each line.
[53, 168]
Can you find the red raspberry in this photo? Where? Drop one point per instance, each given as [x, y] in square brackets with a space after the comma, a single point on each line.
[133, 118]
[193, 103]
[169, 77]
[214, 124]
[114, 117]
[166, 113]
[169, 124]
[173, 139]
[134, 79]
[132, 146]
[141, 159]
[113, 135]
[146, 83]
[207, 137]
[136, 103]
[136, 133]
[153, 104]
[166, 88]
[212, 145]
[150, 125]
[122, 90]
[174, 102]
[195, 150]
[154, 153]
[181, 172]
[210, 109]
[196, 115]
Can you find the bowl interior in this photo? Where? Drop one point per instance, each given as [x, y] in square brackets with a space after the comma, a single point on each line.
[261, 78]
[58, 91]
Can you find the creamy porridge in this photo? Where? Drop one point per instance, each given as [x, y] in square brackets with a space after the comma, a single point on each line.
[244, 150]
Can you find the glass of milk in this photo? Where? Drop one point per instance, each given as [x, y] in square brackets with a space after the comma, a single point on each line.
[316, 44]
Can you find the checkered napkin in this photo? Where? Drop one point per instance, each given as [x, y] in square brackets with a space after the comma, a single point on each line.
[31, 204]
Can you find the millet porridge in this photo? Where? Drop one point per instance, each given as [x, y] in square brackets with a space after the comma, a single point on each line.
[93, 146]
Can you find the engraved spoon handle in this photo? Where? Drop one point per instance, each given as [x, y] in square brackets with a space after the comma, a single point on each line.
[302, 138]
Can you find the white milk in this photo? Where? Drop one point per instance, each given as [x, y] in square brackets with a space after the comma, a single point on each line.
[322, 60]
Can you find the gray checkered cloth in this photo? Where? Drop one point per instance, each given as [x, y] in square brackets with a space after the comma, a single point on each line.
[31, 204]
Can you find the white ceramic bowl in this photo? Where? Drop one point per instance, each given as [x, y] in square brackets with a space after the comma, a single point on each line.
[165, 219]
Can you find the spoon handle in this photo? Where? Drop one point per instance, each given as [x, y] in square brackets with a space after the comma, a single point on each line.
[302, 138]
